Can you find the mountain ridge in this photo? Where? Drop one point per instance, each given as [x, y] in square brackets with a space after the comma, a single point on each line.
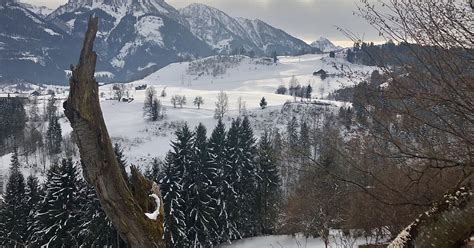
[135, 37]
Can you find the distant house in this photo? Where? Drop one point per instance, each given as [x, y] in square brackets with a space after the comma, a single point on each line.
[141, 87]
[322, 73]
[35, 93]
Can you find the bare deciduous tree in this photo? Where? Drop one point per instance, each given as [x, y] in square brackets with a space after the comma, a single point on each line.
[421, 122]
[198, 101]
[222, 105]
[119, 91]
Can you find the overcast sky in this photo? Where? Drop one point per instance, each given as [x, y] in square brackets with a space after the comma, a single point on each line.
[305, 19]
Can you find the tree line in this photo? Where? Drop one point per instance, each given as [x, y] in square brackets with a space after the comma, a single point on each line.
[220, 188]
[64, 211]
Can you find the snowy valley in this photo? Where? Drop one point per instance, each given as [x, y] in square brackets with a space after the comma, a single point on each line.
[155, 124]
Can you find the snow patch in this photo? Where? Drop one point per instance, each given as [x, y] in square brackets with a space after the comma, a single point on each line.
[146, 66]
[154, 215]
[51, 32]
[148, 28]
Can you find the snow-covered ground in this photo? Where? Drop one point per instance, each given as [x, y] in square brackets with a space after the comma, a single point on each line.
[249, 81]
[276, 241]
[336, 240]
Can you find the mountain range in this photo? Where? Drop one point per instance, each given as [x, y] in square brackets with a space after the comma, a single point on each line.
[135, 38]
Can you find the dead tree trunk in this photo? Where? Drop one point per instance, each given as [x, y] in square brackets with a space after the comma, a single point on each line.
[125, 207]
[447, 224]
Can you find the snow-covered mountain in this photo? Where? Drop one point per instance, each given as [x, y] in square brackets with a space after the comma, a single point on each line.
[135, 37]
[42, 11]
[32, 48]
[225, 33]
[325, 45]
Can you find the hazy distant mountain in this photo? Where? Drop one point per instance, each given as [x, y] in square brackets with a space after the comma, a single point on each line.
[32, 48]
[225, 33]
[325, 45]
[42, 11]
[135, 37]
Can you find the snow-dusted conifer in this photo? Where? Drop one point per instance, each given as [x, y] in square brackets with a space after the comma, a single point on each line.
[217, 148]
[33, 197]
[232, 179]
[268, 191]
[247, 186]
[54, 136]
[201, 226]
[174, 185]
[175, 223]
[94, 228]
[14, 212]
[57, 217]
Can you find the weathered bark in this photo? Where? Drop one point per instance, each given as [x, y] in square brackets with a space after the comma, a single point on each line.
[447, 224]
[125, 209]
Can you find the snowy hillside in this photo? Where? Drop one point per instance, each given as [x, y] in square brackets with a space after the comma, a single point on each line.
[249, 81]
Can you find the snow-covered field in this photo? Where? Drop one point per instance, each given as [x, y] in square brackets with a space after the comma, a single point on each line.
[249, 81]
[336, 240]
[276, 241]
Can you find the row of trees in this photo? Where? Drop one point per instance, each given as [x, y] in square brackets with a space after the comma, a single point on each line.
[13, 119]
[218, 189]
[295, 89]
[29, 129]
[63, 212]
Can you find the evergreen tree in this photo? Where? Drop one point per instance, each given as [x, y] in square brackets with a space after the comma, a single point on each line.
[247, 185]
[292, 132]
[33, 198]
[14, 211]
[118, 150]
[152, 107]
[57, 217]
[50, 108]
[54, 136]
[268, 186]
[34, 111]
[94, 229]
[308, 91]
[304, 143]
[263, 103]
[218, 160]
[202, 228]
[13, 118]
[177, 180]
[154, 172]
[232, 177]
[175, 222]
[156, 110]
